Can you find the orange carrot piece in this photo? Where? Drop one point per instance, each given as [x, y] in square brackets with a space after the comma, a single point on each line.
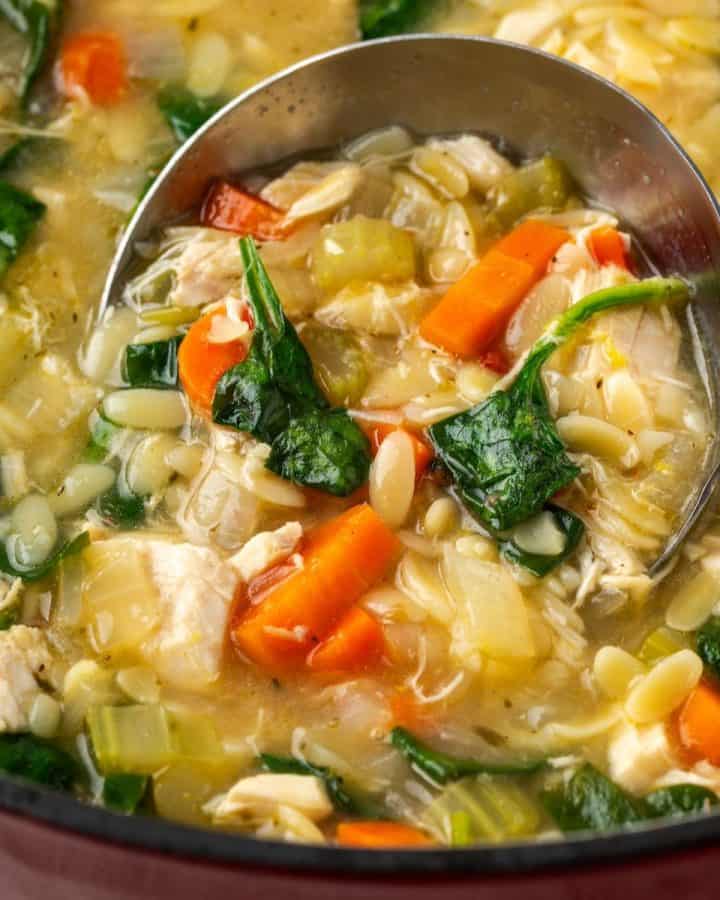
[377, 432]
[380, 834]
[475, 311]
[342, 559]
[357, 643]
[93, 65]
[534, 243]
[202, 364]
[699, 723]
[608, 247]
[230, 208]
[496, 360]
[408, 713]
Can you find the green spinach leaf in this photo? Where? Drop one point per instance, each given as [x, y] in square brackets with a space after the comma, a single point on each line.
[590, 801]
[383, 18]
[708, 644]
[442, 767]
[505, 455]
[275, 383]
[19, 214]
[679, 800]
[342, 799]
[153, 365]
[37, 572]
[184, 111]
[123, 792]
[120, 508]
[37, 760]
[102, 433]
[37, 21]
[323, 449]
[12, 153]
[541, 564]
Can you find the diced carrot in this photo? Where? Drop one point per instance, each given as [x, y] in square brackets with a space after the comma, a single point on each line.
[608, 247]
[357, 643]
[699, 723]
[202, 363]
[380, 834]
[378, 431]
[534, 243]
[93, 65]
[475, 311]
[342, 559]
[230, 208]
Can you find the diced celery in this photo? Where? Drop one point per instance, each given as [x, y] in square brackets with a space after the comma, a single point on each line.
[197, 740]
[181, 790]
[483, 808]
[362, 249]
[339, 363]
[545, 184]
[132, 739]
[661, 643]
[171, 315]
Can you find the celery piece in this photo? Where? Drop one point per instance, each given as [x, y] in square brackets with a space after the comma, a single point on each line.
[171, 315]
[67, 609]
[660, 643]
[339, 363]
[131, 739]
[480, 808]
[197, 740]
[545, 184]
[362, 249]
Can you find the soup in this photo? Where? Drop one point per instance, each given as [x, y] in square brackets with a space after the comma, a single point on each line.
[321, 549]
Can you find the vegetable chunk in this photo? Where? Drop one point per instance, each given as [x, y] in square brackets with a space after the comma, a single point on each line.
[19, 215]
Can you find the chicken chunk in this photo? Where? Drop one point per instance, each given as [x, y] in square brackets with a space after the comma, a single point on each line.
[196, 589]
[640, 756]
[207, 271]
[25, 666]
[266, 549]
[259, 796]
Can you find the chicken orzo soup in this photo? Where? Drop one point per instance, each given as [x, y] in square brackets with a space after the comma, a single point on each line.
[338, 528]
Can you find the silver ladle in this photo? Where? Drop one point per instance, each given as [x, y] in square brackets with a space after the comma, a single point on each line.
[619, 153]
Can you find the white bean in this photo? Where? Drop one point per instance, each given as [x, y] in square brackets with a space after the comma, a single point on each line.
[139, 683]
[106, 343]
[155, 333]
[149, 469]
[441, 517]
[664, 688]
[81, 486]
[540, 535]
[694, 602]
[586, 434]
[186, 459]
[35, 531]
[614, 669]
[392, 478]
[44, 716]
[210, 64]
[146, 408]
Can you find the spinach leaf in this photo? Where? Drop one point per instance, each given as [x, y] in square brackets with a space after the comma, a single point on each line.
[184, 111]
[679, 800]
[275, 382]
[9, 617]
[383, 18]
[442, 767]
[153, 365]
[540, 564]
[123, 792]
[19, 214]
[505, 455]
[273, 395]
[102, 433]
[37, 760]
[343, 800]
[37, 21]
[12, 153]
[708, 644]
[323, 449]
[590, 801]
[37, 572]
[120, 508]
